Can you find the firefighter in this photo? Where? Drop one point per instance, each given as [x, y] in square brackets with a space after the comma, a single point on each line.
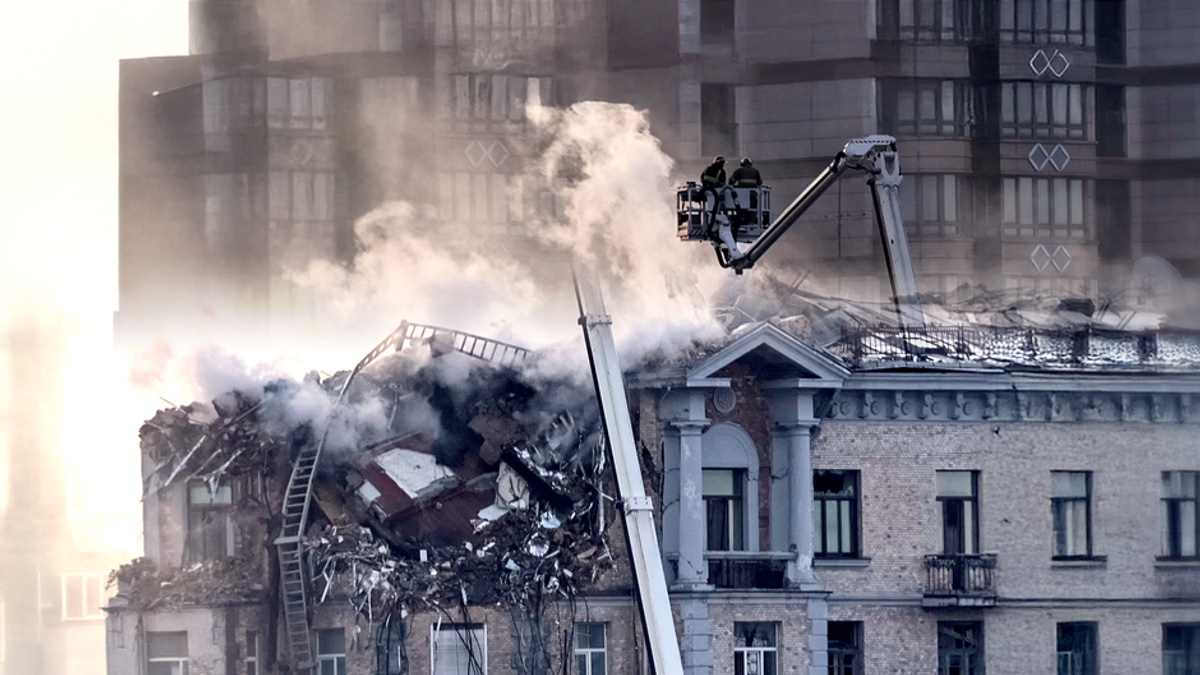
[746, 176]
[712, 182]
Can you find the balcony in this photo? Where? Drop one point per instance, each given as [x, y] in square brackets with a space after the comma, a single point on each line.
[960, 580]
[746, 570]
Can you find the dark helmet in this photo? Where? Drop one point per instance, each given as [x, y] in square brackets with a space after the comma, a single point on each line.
[745, 161]
[720, 159]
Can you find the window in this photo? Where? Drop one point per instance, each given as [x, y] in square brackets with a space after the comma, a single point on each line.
[960, 648]
[1181, 649]
[835, 514]
[723, 504]
[83, 595]
[479, 197]
[208, 522]
[929, 203]
[1045, 207]
[1046, 21]
[845, 648]
[925, 107]
[1077, 648]
[331, 651]
[933, 20]
[251, 652]
[1044, 110]
[1179, 534]
[957, 497]
[496, 97]
[167, 653]
[298, 103]
[754, 648]
[301, 202]
[458, 649]
[1070, 504]
[590, 656]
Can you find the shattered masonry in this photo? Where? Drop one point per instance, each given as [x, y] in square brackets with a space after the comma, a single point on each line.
[434, 495]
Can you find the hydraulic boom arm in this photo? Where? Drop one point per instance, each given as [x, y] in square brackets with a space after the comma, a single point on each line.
[876, 156]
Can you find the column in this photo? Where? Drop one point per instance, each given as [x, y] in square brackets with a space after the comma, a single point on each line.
[796, 437]
[693, 570]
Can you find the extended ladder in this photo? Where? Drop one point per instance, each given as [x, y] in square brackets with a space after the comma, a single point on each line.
[298, 496]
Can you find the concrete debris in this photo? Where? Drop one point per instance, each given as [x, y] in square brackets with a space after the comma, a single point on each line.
[483, 490]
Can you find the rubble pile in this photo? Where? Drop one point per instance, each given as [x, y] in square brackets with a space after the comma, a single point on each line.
[444, 484]
[144, 587]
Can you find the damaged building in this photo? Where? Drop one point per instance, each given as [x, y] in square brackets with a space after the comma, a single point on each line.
[849, 501]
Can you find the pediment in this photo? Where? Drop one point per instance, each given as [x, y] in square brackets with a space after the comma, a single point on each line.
[773, 355]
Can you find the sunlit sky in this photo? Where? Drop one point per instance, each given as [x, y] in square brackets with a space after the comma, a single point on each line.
[58, 203]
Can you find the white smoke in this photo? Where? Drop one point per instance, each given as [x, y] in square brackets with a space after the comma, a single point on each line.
[615, 186]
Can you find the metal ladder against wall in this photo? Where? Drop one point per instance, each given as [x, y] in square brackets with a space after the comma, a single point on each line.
[298, 495]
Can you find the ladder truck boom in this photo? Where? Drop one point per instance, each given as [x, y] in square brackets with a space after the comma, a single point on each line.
[873, 155]
[644, 555]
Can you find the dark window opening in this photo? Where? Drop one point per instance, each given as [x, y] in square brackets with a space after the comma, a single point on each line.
[716, 18]
[1070, 504]
[845, 648]
[754, 648]
[208, 522]
[835, 514]
[724, 506]
[960, 648]
[717, 123]
[1181, 526]
[1077, 649]
[1181, 649]
[1114, 211]
[957, 496]
[1110, 120]
[1110, 31]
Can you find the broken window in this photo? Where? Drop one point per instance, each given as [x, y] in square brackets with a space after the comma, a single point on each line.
[251, 652]
[1181, 649]
[845, 648]
[1077, 648]
[82, 596]
[835, 514]
[1180, 522]
[725, 508]
[331, 651]
[754, 647]
[1070, 504]
[590, 652]
[458, 649]
[167, 653]
[209, 532]
[960, 648]
[957, 497]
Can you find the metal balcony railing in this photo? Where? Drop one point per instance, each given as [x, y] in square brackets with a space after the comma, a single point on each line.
[746, 570]
[960, 575]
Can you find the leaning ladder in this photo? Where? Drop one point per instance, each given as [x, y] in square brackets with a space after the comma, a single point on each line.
[298, 496]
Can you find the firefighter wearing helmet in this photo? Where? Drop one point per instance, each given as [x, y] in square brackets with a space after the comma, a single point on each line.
[746, 176]
[717, 196]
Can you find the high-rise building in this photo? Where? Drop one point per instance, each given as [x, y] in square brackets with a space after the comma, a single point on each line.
[1047, 145]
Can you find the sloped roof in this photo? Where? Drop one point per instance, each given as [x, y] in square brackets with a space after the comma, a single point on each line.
[774, 355]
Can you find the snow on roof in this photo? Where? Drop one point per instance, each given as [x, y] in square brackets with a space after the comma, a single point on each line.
[412, 471]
